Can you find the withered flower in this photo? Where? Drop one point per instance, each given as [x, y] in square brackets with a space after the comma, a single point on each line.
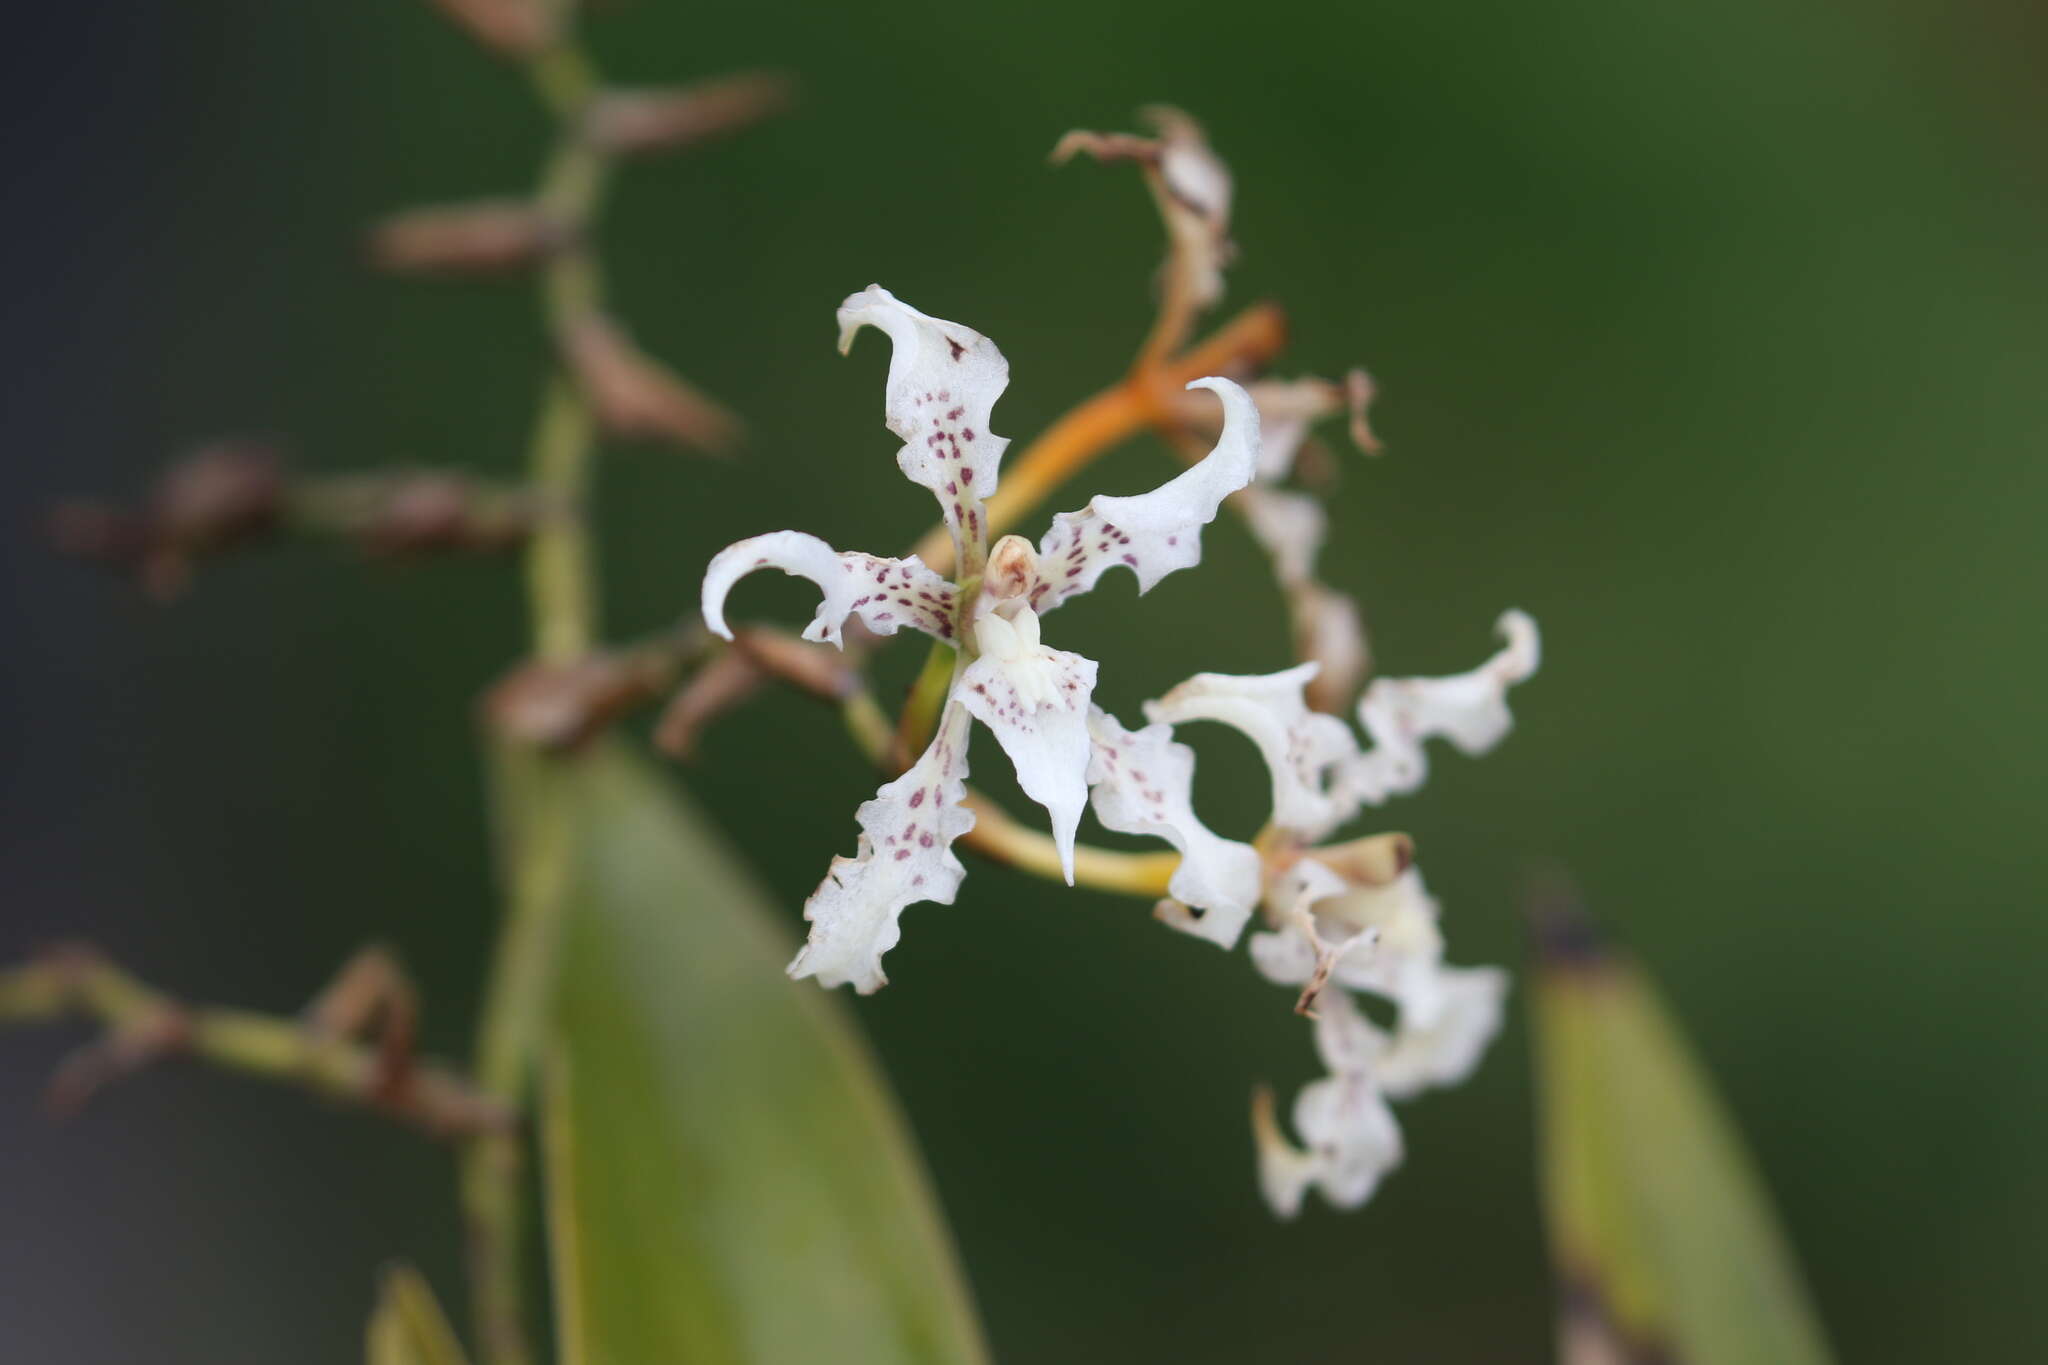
[636, 396]
[483, 237]
[660, 120]
[511, 28]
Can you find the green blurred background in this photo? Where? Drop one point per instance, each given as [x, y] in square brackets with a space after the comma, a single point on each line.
[1710, 335]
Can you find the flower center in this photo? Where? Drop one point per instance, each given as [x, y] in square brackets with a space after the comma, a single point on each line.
[1008, 636]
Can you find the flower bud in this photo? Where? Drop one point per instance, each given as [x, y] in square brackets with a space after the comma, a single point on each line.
[1012, 568]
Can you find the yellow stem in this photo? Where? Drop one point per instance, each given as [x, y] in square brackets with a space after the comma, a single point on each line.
[920, 718]
[1002, 839]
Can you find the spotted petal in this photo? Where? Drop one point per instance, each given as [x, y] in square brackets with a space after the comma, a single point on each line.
[905, 856]
[1142, 783]
[1155, 533]
[1468, 709]
[944, 379]
[886, 593]
[1300, 746]
[1036, 702]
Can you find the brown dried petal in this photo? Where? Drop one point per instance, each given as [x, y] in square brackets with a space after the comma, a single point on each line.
[758, 656]
[1359, 391]
[222, 494]
[635, 395]
[718, 687]
[425, 513]
[1106, 147]
[561, 705]
[1192, 188]
[628, 121]
[476, 238]
[515, 28]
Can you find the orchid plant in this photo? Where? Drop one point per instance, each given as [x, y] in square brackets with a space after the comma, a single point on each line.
[1342, 917]
[638, 1064]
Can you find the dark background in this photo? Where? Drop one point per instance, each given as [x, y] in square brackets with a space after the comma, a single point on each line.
[1712, 335]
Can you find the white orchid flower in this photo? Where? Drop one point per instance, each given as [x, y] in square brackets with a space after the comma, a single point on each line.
[1349, 1136]
[1384, 940]
[944, 380]
[1357, 917]
[1321, 777]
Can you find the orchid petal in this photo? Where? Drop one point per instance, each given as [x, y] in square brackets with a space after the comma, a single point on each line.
[1142, 783]
[1036, 701]
[1300, 952]
[1300, 746]
[885, 593]
[1195, 192]
[905, 856]
[1190, 185]
[944, 379]
[1448, 1015]
[1154, 533]
[1468, 709]
[1288, 408]
[1443, 1047]
[1350, 1139]
[1289, 527]
[1325, 623]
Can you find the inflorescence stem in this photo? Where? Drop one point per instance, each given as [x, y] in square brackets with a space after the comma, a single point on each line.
[562, 588]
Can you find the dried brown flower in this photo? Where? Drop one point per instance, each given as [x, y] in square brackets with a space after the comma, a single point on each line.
[635, 395]
[657, 120]
[482, 237]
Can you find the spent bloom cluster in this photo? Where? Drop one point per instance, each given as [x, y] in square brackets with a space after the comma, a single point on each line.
[1336, 917]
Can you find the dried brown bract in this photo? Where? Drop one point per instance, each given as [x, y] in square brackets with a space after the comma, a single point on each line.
[661, 120]
[419, 513]
[561, 705]
[511, 28]
[635, 395]
[225, 495]
[1192, 188]
[487, 236]
[758, 656]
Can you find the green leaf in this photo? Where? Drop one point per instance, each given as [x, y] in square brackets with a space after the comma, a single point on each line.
[1665, 1245]
[727, 1177]
[407, 1327]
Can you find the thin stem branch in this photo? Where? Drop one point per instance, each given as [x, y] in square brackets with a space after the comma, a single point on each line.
[144, 1024]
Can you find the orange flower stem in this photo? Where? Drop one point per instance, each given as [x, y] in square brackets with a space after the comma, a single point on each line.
[1098, 424]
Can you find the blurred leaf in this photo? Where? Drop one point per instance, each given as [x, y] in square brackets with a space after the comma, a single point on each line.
[728, 1179]
[1665, 1245]
[407, 1327]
